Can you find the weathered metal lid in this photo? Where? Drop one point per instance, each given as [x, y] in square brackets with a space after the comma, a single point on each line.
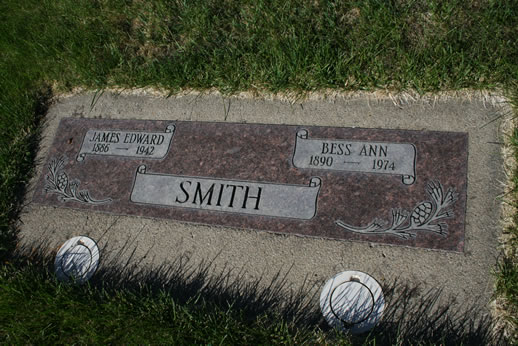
[77, 259]
[353, 301]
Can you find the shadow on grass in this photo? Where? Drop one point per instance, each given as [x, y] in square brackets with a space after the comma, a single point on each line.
[20, 159]
[416, 317]
[411, 316]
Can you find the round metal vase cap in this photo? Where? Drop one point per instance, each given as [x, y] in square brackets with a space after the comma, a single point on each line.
[352, 301]
[77, 259]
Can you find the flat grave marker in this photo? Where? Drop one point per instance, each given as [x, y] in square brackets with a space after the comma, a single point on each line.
[396, 187]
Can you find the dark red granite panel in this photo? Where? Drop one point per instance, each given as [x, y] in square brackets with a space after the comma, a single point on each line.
[363, 206]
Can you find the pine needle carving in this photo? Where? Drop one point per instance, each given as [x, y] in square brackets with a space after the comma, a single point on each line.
[57, 182]
[425, 217]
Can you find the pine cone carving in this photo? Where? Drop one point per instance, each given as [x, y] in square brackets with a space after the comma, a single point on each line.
[421, 213]
[62, 181]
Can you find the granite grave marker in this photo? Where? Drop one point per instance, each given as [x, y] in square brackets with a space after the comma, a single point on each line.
[390, 186]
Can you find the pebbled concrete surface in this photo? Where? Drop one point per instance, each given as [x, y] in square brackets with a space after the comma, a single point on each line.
[465, 276]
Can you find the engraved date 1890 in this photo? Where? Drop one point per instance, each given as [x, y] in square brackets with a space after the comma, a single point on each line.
[321, 161]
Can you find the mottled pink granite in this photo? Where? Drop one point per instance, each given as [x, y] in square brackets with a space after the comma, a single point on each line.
[263, 153]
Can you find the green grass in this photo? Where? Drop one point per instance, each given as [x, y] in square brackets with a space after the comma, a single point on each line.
[58, 313]
[273, 46]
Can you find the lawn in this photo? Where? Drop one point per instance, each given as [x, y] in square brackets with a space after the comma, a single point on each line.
[49, 47]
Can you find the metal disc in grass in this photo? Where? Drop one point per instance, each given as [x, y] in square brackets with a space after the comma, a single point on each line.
[77, 260]
[352, 301]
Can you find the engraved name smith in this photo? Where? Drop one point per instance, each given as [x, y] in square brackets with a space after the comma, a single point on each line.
[246, 197]
[219, 194]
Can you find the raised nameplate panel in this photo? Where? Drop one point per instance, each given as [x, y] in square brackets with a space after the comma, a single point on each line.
[136, 144]
[231, 196]
[355, 156]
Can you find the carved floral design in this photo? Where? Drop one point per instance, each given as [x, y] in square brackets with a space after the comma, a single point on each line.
[58, 182]
[424, 217]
